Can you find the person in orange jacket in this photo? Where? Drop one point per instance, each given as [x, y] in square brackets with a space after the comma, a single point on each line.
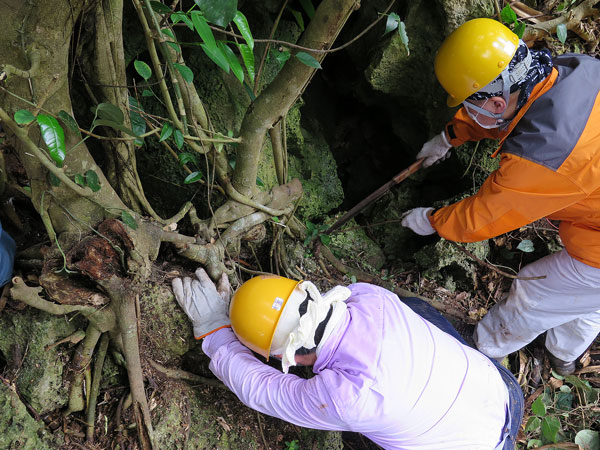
[546, 113]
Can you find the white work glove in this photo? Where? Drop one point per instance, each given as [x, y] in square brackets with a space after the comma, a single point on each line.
[418, 220]
[435, 150]
[204, 303]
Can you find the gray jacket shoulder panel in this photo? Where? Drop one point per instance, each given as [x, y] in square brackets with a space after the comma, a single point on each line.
[548, 132]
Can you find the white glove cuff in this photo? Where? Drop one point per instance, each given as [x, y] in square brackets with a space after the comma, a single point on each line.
[445, 139]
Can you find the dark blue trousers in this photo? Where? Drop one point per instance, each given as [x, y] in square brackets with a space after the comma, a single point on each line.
[432, 315]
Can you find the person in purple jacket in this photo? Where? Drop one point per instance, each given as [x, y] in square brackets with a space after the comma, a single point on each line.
[392, 369]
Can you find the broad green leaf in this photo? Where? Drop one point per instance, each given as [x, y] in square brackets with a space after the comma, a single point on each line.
[185, 72]
[391, 23]
[564, 401]
[403, 36]
[588, 439]
[193, 177]
[92, 181]
[299, 19]
[178, 137]
[242, 25]
[147, 93]
[174, 45]
[160, 7]
[138, 124]
[308, 8]
[561, 32]
[519, 29]
[275, 219]
[203, 30]
[565, 388]
[219, 12]
[259, 182]
[110, 112]
[142, 69]
[282, 57]
[550, 427]
[234, 63]
[538, 407]
[114, 126]
[325, 239]
[250, 94]
[526, 246]
[78, 178]
[310, 226]
[187, 157]
[182, 17]
[248, 58]
[167, 131]
[54, 137]
[167, 32]
[69, 121]
[307, 59]
[217, 57]
[533, 424]
[508, 15]
[54, 180]
[128, 220]
[173, 41]
[24, 117]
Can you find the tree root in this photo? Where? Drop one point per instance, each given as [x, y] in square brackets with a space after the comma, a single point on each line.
[95, 387]
[178, 374]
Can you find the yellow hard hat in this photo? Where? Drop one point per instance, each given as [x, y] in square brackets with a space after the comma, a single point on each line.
[255, 310]
[472, 56]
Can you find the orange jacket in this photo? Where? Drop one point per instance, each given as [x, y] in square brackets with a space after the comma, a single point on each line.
[549, 167]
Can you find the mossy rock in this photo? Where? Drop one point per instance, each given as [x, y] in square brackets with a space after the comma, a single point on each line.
[444, 262]
[18, 430]
[352, 243]
[40, 379]
[164, 324]
[188, 418]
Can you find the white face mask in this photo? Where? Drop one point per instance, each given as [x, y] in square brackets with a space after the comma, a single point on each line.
[475, 112]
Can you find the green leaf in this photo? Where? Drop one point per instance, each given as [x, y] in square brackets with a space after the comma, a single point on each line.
[167, 131]
[217, 56]
[561, 32]
[508, 15]
[69, 121]
[54, 137]
[307, 59]
[193, 177]
[128, 220]
[308, 8]
[353, 279]
[54, 180]
[526, 246]
[114, 126]
[174, 45]
[282, 56]
[204, 30]
[538, 407]
[310, 226]
[533, 443]
[325, 239]
[219, 12]
[110, 112]
[259, 182]
[250, 94]
[564, 401]
[179, 16]
[142, 69]
[299, 19]
[178, 137]
[24, 117]
[248, 58]
[533, 424]
[78, 178]
[185, 72]
[138, 124]
[147, 93]
[160, 7]
[403, 36]
[92, 181]
[242, 25]
[187, 157]
[550, 427]
[391, 23]
[275, 219]
[519, 29]
[234, 63]
[588, 439]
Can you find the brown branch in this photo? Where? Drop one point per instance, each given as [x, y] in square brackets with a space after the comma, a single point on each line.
[178, 374]
[572, 19]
